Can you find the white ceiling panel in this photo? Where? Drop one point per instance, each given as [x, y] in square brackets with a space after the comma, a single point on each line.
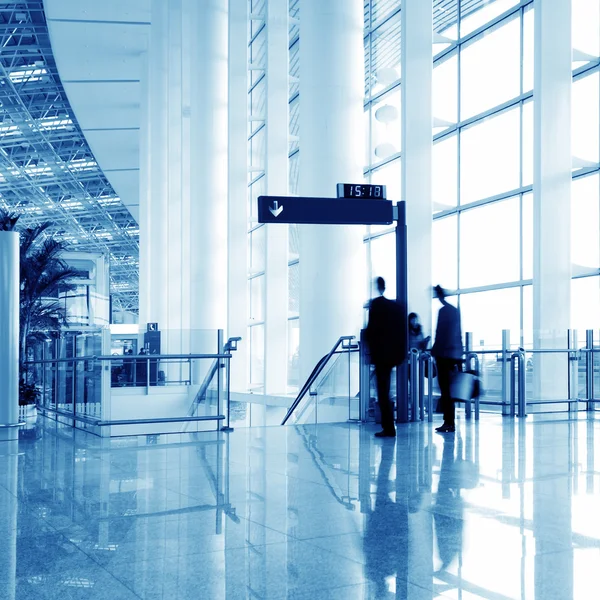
[115, 150]
[106, 105]
[98, 10]
[98, 51]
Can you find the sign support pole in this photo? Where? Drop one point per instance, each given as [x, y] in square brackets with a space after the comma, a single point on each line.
[402, 300]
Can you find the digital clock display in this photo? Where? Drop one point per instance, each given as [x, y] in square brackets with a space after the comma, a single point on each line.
[361, 190]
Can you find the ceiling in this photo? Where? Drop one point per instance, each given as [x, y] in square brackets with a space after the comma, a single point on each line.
[48, 171]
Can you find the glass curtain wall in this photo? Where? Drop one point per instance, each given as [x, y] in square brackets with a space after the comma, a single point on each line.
[257, 97]
[483, 79]
[382, 122]
[483, 163]
[294, 156]
[585, 193]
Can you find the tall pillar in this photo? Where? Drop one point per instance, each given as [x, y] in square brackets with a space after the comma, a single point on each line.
[332, 142]
[552, 193]
[276, 172]
[183, 250]
[417, 148]
[9, 334]
[237, 284]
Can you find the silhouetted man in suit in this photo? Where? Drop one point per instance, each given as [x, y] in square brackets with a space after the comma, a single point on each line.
[386, 336]
[448, 353]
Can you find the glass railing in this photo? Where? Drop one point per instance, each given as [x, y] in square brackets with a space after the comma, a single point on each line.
[81, 390]
[331, 392]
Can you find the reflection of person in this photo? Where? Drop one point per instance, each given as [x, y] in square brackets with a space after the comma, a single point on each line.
[415, 333]
[448, 352]
[386, 534]
[449, 506]
[386, 336]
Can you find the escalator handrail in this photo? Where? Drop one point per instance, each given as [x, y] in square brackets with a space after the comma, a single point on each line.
[315, 373]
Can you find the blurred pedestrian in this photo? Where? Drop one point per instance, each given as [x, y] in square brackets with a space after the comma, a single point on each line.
[448, 353]
[386, 336]
[415, 333]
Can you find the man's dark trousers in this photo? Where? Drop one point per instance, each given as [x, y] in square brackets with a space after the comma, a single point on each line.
[446, 368]
[383, 374]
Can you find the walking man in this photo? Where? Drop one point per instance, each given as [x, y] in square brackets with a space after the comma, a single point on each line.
[448, 353]
[386, 336]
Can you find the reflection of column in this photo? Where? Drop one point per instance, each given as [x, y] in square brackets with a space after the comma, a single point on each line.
[276, 172]
[552, 514]
[9, 334]
[332, 91]
[417, 126]
[183, 253]
[552, 193]
[420, 521]
[8, 517]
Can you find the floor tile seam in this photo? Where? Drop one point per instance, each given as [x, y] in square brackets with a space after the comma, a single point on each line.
[81, 550]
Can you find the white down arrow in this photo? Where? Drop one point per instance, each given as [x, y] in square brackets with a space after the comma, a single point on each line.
[276, 210]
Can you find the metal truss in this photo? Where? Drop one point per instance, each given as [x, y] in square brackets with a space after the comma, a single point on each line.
[47, 170]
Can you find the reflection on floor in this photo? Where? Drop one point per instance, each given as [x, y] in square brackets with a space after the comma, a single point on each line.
[502, 509]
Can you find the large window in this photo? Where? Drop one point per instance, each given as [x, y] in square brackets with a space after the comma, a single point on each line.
[483, 163]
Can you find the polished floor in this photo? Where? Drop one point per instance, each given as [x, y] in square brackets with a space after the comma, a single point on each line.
[502, 509]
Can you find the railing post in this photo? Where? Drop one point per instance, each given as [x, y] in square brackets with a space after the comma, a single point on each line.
[364, 379]
[414, 383]
[468, 350]
[218, 374]
[228, 378]
[522, 412]
[589, 368]
[513, 386]
[421, 362]
[506, 372]
[573, 370]
[474, 366]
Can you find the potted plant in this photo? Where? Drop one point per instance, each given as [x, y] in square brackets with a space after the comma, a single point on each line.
[42, 275]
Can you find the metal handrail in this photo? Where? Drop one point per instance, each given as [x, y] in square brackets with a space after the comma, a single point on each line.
[140, 357]
[317, 371]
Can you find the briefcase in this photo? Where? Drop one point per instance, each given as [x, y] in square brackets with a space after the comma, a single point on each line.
[462, 386]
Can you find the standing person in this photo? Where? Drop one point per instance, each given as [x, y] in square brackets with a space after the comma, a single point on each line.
[141, 370]
[415, 333]
[448, 353]
[128, 367]
[386, 336]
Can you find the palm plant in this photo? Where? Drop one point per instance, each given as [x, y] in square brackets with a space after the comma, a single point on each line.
[43, 274]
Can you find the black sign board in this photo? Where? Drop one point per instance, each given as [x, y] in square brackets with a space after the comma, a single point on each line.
[152, 327]
[361, 190]
[324, 211]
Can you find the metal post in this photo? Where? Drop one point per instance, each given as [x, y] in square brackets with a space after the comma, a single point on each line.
[589, 368]
[364, 379]
[414, 383]
[468, 350]
[148, 376]
[513, 361]
[573, 370]
[506, 372]
[421, 362]
[522, 412]
[430, 389]
[218, 374]
[402, 300]
[228, 376]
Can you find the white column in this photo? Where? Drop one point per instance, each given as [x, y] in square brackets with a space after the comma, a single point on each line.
[417, 147]
[208, 270]
[9, 334]
[552, 193]
[276, 172]
[237, 306]
[183, 251]
[332, 142]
